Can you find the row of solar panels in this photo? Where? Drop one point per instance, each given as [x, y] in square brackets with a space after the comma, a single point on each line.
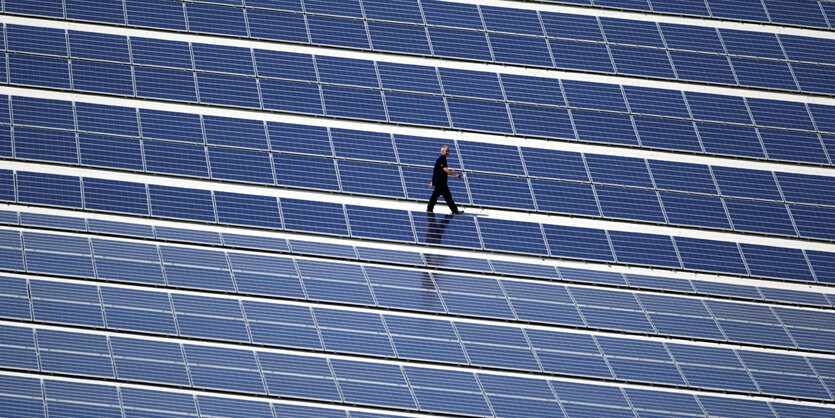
[439, 262]
[638, 201]
[813, 14]
[389, 386]
[227, 208]
[800, 143]
[270, 322]
[526, 43]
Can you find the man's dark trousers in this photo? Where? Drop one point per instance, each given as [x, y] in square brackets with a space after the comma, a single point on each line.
[441, 190]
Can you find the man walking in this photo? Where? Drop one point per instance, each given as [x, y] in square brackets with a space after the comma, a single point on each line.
[439, 182]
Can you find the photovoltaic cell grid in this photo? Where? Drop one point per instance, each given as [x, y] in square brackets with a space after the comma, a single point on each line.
[415, 259]
[273, 315]
[495, 34]
[559, 180]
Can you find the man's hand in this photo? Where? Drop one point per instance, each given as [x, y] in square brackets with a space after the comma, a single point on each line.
[430, 184]
[457, 175]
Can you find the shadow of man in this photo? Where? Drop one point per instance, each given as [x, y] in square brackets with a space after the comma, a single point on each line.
[434, 236]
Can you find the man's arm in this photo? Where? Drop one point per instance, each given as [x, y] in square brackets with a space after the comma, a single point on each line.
[448, 171]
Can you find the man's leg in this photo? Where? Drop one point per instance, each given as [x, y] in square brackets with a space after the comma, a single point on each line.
[448, 198]
[432, 200]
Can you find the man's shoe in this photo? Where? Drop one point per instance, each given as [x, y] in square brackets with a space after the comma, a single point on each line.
[458, 212]
[430, 211]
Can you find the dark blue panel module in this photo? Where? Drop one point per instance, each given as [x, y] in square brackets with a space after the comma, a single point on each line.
[491, 158]
[554, 164]
[48, 189]
[155, 14]
[37, 40]
[31, 404]
[66, 303]
[642, 61]
[120, 228]
[241, 165]
[90, 353]
[793, 146]
[292, 170]
[115, 196]
[780, 114]
[501, 191]
[738, 9]
[667, 134]
[456, 231]
[49, 8]
[158, 52]
[232, 407]
[588, 56]
[762, 73]
[502, 235]
[647, 400]
[496, 346]
[249, 210]
[220, 58]
[399, 38]
[718, 108]
[653, 101]
[299, 138]
[573, 242]
[87, 76]
[422, 151]
[417, 109]
[39, 71]
[279, 26]
[671, 175]
[235, 132]
[4, 109]
[355, 175]
[285, 65]
[45, 145]
[215, 19]
[283, 325]
[541, 121]
[610, 309]
[142, 266]
[561, 25]
[380, 223]
[800, 410]
[118, 120]
[694, 210]
[352, 72]
[823, 264]
[523, 50]
[410, 289]
[501, 19]
[337, 31]
[611, 128]
[801, 14]
[399, 11]
[814, 78]
[309, 216]
[765, 217]
[631, 32]
[784, 263]
[625, 171]
[536, 90]
[624, 4]
[646, 361]
[241, 374]
[176, 158]
[18, 353]
[291, 96]
[456, 15]
[289, 375]
[353, 332]
[375, 384]
[654, 250]
[479, 115]
[802, 188]
[228, 90]
[49, 221]
[169, 125]
[813, 222]
[592, 400]
[804, 48]
[199, 316]
[468, 83]
[703, 67]
[408, 77]
[752, 44]
[740, 182]
[390, 256]
[730, 140]
[564, 197]
[42, 112]
[597, 96]
[5, 141]
[625, 203]
[425, 339]
[720, 256]
[99, 46]
[67, 398]
[447, 391]
[165, 84]
[107, 11]
[350, 8]
[353, 103]
[134, 399]
[177, 202]
[165, 233]
[149, 361]
[692, 38]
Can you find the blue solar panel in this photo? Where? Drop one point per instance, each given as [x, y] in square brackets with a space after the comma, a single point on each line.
[380, 223]
[738, 9]
[115, 196]
[766, 217]
[46, 145]
[99, 46]
[457, 231]
[811, 78]
[538, 90]
[354, 177]
[119, 120]
[541, 121]
[594, 95]
[280, 26]
[812, 221]
[694, 210]
[161, 53]
[240, 209]
[401, 11]
[155, 14]
[763, 73]
[337, 31]
[670, 175]
[588, 56]
[43, 112]
[642, 61]
[170, 125]
[730, 140]
[793, 146]
[165, 84]
[564, 197]
[637, 204]
[214, 19]
[655, 250]
[53, 8]
[353, 102]
[292, 170]
[802, 48]
[631, 32]
[48, 189]
[299, 138]
[667, 134]
[512, 236]
[574, 242]
[702, 67]
[780, 114]
[501, 191]
[718, 108]
[291, 96]
[310, 216]
[778, 262]
[452, 14]
[408, 77]
[399, 38]
[287, 65]
[110, 11]
[656, 102]
[175, 158]
[523, 50]
[691, 38]
[479, 115]
[37, 40]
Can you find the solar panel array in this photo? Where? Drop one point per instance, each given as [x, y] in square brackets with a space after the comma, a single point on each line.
[215, 208]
